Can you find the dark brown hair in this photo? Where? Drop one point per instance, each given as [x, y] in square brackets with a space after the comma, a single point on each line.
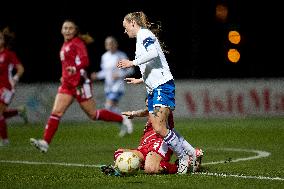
[9, 37]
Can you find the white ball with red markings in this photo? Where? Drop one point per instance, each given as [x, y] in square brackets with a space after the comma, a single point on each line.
[127, 162]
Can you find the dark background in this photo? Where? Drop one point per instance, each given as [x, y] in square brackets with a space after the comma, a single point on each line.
[196, 40]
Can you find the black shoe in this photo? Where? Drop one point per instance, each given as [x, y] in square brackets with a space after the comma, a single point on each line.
[110, 170]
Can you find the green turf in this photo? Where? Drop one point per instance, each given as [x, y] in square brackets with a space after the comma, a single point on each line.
[93, 143]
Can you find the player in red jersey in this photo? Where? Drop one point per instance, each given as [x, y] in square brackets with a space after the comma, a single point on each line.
[8, 62]
[152, 150]
[74, 85]
[154, 153]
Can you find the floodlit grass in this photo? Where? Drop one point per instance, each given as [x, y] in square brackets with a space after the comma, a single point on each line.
[93, 143]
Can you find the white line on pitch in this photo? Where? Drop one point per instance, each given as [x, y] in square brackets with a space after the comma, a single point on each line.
[50, 163]
[97, 166]
[239, 176]
[260, 154]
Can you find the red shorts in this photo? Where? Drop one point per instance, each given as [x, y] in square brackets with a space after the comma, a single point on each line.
[6, 95]
[81, 92]
[155, 143]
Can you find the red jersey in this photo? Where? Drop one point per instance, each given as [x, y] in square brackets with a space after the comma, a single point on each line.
[8, 60]
[73, 53]
[150, 135]
[151, 141]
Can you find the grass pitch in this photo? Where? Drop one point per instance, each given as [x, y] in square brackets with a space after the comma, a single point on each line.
[238, 153]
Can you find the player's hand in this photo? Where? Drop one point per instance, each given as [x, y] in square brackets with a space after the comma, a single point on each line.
[133, 80]
[124, 63]
[128, 114]
[93, 76]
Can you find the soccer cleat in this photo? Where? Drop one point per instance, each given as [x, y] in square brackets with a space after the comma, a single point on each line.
[23, 113]
[110, 170]
[183, 164]
[199, 156]
[41, 145]
[123, 131]
[195, 163]
[126, 127]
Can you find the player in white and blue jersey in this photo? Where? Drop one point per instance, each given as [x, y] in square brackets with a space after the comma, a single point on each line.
[156, 75]
[113, 78]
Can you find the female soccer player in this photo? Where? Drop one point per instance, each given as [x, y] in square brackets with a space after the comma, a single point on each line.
[156, 75]
[8, 62]
[74, 85]
[112, 76]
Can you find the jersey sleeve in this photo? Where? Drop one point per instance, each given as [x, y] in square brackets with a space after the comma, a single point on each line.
[147, 39]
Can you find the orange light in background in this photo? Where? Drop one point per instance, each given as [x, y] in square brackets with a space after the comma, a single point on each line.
[234, 37]
[221, 12]
[234, 55]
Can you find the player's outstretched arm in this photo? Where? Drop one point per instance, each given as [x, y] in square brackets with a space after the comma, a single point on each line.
[137, 113]
[133, 80]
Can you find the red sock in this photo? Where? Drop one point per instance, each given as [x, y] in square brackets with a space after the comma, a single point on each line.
[170, 168]
[51, 128]
[3, 128]
[106, 115]
[10, 113]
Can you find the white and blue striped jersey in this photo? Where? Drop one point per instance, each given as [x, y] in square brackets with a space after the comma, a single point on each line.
[151, 60]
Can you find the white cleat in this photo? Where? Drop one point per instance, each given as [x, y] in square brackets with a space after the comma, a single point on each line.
[193, 164]
[41, 145]
[123, 130]
[128, 124]
[183, 164]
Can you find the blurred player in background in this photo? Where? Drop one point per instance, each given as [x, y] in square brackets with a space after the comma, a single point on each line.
[152, 150]
[18, 111]
[156, 75]
[74, 85]
[113, 77]
[8, 63]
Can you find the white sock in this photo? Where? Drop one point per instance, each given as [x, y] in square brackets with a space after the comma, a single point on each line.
[188, 148]
[174, 143]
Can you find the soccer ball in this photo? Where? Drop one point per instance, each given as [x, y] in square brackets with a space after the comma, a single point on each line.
[127, 162]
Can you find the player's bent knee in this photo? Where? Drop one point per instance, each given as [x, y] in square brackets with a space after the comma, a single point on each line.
[93, 115]
[161, 130]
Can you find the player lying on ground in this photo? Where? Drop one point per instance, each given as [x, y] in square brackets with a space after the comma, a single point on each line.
[152, 150]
